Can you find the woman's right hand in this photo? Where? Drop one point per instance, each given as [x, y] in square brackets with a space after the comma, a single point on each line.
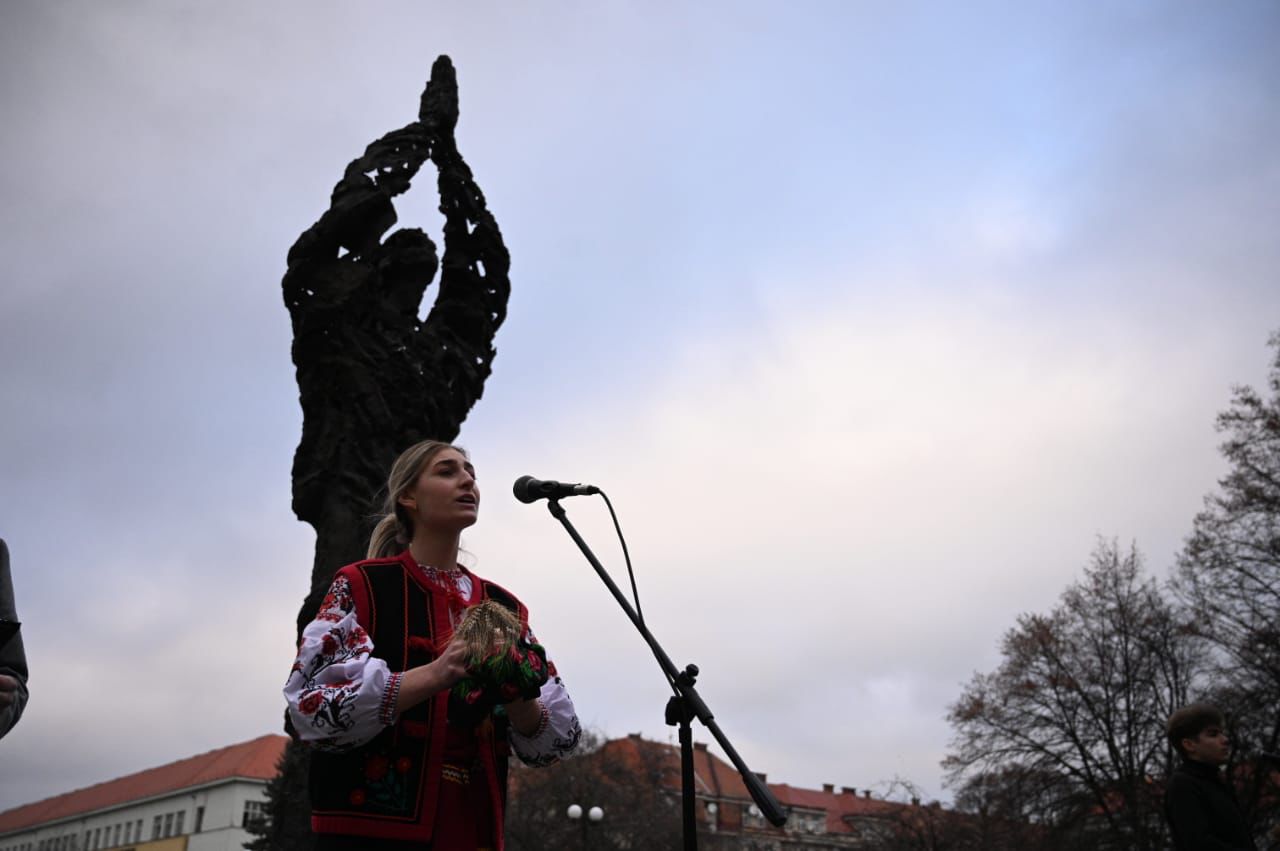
[451, 665]
[8, 690]
[425, 681]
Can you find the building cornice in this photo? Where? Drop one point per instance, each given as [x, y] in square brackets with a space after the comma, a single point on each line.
[136, 802]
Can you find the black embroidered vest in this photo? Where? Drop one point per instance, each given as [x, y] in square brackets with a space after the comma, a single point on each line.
[387, 788]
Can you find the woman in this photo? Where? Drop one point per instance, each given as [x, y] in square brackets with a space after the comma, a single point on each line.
[393, 760]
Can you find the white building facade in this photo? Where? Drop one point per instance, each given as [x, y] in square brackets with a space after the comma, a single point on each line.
[131, 813]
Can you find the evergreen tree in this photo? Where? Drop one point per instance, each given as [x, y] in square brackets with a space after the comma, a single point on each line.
[288, 823]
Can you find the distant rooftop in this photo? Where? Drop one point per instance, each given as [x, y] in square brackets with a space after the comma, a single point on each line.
[716, 778]
[254, 760]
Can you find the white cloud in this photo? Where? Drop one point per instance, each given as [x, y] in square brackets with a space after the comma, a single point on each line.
[841, 512]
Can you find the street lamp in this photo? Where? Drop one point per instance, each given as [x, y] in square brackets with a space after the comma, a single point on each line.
[593, 816]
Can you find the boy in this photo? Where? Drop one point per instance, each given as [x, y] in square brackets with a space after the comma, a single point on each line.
[1200, 806]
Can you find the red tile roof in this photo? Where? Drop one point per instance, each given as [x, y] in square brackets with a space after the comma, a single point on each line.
[716, 778]
[839, 806]
[255, 759]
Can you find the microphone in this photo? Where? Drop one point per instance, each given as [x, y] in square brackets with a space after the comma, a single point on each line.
[528, 489]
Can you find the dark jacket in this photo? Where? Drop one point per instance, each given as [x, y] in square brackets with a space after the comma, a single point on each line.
[1202, 811]
[13, 660]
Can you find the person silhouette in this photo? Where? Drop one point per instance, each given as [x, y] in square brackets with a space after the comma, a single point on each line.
[13, 659]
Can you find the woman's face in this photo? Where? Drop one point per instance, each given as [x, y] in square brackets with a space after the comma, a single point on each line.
[445, 497]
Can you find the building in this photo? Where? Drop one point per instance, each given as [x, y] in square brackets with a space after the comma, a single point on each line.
[201, 803]
[828, 818]
[635, 782]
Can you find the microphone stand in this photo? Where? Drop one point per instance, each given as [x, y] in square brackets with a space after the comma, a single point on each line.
[685, 705]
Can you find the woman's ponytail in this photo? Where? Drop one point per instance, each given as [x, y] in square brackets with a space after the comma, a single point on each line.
[387, 537]
[394, 530]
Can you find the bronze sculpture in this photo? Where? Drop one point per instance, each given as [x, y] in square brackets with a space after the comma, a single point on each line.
[372, 377]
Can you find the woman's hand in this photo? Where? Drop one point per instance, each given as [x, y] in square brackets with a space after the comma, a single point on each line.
[436, 676]
[525, 715]
[8, 690]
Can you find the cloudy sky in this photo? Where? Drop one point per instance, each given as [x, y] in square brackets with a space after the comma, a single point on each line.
[870, 318]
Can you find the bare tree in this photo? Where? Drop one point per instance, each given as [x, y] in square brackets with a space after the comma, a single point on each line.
[908, 824]
[1082, 694]
[1228, 576]
[1015, 808]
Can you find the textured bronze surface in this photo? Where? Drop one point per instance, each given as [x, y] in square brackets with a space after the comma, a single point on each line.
[373, 377]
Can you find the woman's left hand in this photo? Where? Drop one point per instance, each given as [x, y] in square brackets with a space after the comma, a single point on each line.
[525, 715]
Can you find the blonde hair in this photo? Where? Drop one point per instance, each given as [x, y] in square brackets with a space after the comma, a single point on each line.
[394, 529]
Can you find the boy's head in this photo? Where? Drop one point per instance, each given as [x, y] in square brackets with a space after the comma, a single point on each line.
[1196, 732]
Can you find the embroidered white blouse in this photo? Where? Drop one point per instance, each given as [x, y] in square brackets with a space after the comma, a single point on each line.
[340, 696]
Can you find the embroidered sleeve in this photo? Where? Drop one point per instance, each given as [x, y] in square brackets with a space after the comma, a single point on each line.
[558, 733]
[339, 696]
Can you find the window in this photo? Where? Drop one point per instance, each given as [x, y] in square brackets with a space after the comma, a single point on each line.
[255, 812]
[137, 831]
[97, 836]
[199, 820]
[155, 828]
[116, 841]
[177, 825]
[168, 825]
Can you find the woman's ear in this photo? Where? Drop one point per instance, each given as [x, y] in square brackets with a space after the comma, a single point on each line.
[408, 501]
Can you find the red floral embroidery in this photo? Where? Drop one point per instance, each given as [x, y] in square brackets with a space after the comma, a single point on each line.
[329, 646]
[339, 597]
[376, 767]
[310, 703]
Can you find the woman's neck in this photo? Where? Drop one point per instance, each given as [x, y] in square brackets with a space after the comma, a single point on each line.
[439, 551]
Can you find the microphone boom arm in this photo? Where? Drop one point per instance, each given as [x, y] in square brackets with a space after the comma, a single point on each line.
[692, 706]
